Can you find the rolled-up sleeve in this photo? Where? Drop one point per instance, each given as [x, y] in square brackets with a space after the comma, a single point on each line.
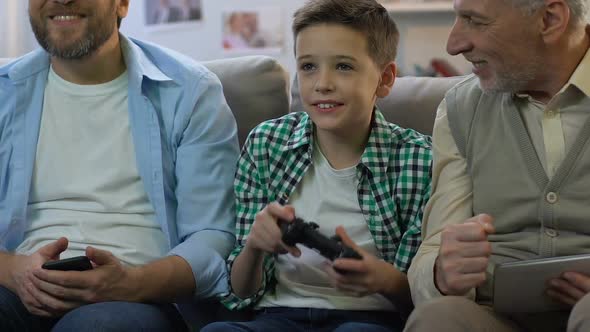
[451, 203]
[205, 165]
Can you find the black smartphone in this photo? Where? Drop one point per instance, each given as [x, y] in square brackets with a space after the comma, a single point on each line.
[79, 263]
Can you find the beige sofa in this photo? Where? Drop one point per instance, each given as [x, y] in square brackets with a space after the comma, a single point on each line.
[257, 88]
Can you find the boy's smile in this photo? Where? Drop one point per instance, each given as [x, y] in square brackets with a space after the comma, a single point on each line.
[337, 78]
[326, 106]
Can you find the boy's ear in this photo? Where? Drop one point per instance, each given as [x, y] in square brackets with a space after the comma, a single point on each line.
[387, 79]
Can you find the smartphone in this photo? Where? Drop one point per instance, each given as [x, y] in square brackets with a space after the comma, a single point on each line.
[79, 263]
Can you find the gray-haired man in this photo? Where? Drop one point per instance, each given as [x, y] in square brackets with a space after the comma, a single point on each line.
[511, 172]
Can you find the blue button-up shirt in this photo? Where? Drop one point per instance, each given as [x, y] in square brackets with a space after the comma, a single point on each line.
[186, 148]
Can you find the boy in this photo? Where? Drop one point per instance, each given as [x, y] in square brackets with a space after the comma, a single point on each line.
[341, 165]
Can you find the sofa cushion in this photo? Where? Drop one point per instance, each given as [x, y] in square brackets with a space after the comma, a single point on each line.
[412, 102]
[256, 89]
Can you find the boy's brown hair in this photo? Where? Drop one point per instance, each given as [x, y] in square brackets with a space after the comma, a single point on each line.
[366, 16]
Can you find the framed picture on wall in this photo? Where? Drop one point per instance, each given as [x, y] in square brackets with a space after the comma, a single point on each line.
[253, 31]
[162, 13]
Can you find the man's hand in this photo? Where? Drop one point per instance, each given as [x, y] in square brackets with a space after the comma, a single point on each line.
[463, 255]
[265, 235]
[62, 291]
[24, 279]
[569, 288]
[365, 276]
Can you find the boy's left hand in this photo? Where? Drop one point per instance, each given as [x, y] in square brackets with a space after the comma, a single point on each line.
[364, 276]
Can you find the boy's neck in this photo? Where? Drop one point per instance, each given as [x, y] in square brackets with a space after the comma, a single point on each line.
[341, 151]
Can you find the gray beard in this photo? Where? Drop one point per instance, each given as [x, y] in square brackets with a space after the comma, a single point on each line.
[79, 50]
[515, 80]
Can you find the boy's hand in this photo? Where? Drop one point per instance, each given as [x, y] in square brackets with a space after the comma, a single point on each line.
[265, 235]
[463, 255]
[365, 276]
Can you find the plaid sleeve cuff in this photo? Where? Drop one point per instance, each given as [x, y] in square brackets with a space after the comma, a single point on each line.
[233, 302]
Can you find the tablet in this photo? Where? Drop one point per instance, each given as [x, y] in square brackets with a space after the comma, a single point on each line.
[520, 286]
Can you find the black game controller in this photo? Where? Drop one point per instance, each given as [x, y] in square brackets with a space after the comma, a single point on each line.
[306, 233]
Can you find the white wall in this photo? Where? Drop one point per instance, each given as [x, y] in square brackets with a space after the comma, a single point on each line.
[16, 37]
[423, 35]
[202, 41]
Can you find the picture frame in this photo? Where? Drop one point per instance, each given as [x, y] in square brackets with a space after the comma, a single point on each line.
[172, 14]
[253, 31]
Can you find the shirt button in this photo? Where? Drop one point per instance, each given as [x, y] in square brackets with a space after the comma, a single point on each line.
[551, 197]
[551, 114]
[551, 232]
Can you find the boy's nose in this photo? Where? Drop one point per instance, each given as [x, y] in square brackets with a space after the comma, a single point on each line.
[324, 82]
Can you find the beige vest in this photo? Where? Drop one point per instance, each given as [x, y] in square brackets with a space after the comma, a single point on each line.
[534, 216]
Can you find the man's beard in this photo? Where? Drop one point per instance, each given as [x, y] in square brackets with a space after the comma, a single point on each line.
[513, 81]
[517, 77]
[95, 37]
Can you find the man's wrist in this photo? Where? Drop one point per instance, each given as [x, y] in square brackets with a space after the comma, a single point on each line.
[135, 279]
[7, 276]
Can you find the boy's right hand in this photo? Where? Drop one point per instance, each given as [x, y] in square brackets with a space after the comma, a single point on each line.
[463, 255]
[265, 234]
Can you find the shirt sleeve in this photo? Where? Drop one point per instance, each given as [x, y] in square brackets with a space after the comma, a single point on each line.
[251, 197]
[205, 165]
[413, 208]
[451, 203]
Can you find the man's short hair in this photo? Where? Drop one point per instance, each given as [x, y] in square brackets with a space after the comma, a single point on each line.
[365, 16]
[578, 8]
[119, 19]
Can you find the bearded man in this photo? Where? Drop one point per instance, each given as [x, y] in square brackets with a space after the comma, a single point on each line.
[120, 151]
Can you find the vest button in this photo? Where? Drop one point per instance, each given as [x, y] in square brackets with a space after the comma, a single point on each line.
[551, 232]
[551, 197]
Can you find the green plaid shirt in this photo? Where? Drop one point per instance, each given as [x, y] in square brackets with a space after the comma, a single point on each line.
[394, 185]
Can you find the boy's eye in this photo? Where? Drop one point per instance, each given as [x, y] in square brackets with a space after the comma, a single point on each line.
[306, 66]
[343, 66]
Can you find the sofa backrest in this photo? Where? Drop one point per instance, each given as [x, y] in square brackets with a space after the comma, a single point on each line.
[412, 102]
[256, 89]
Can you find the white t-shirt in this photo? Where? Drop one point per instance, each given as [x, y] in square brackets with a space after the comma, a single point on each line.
[329, 198]
[85, 184]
